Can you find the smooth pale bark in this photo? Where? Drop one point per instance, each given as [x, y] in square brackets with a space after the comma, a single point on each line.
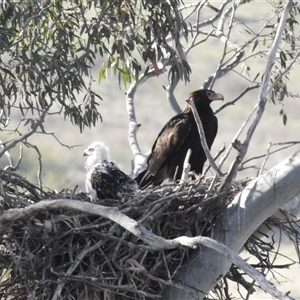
[259, 200]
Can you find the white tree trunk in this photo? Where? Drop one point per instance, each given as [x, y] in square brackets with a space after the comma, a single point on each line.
[259, 200]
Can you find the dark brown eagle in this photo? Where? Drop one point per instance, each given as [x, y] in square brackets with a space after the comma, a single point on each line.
[178, 136]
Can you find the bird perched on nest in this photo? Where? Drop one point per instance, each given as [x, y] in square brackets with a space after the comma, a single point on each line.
[104, 179]
[178, 136]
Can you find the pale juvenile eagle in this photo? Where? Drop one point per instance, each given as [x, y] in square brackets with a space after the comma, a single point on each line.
[104, 178]
[178, 136]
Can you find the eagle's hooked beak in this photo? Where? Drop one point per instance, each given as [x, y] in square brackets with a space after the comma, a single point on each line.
[215, 96]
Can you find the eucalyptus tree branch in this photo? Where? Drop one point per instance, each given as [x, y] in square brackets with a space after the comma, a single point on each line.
[215, 158]
[34, 126]
[39, 172]
[12, 166]
[9, 158]
[268, 152]
[247, 120]
[211, 20]
[244, 266]
[250, 88]
[285, 145]
[186, 6]
[262, 99]
[139, 157]
[182, 54]
[193, 43]
[239, 52]
[202, 137]
[242, 127]
[259, 200]
[4, 116]
[170, 95]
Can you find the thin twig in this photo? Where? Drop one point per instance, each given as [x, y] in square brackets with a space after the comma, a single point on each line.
[202, 137]
[248, 89]
[186, 167]
[196, 34]
[34, 126]
[170, 94]
[39, 172]
[215, 158]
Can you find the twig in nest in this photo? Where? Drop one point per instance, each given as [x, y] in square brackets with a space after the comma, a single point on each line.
[186, 169]
[215, 158]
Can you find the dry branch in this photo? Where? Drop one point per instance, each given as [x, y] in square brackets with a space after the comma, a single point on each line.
[35, 124]
[202, 137]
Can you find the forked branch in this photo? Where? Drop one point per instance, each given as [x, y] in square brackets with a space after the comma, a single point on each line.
[35, 124]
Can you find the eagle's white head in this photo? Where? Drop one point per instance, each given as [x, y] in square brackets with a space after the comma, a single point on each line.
[97, 152]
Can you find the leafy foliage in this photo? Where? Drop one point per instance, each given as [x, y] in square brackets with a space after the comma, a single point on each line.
[50, 46]
[48, 49]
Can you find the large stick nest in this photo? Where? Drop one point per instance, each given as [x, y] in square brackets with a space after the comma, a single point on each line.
[63, 254]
